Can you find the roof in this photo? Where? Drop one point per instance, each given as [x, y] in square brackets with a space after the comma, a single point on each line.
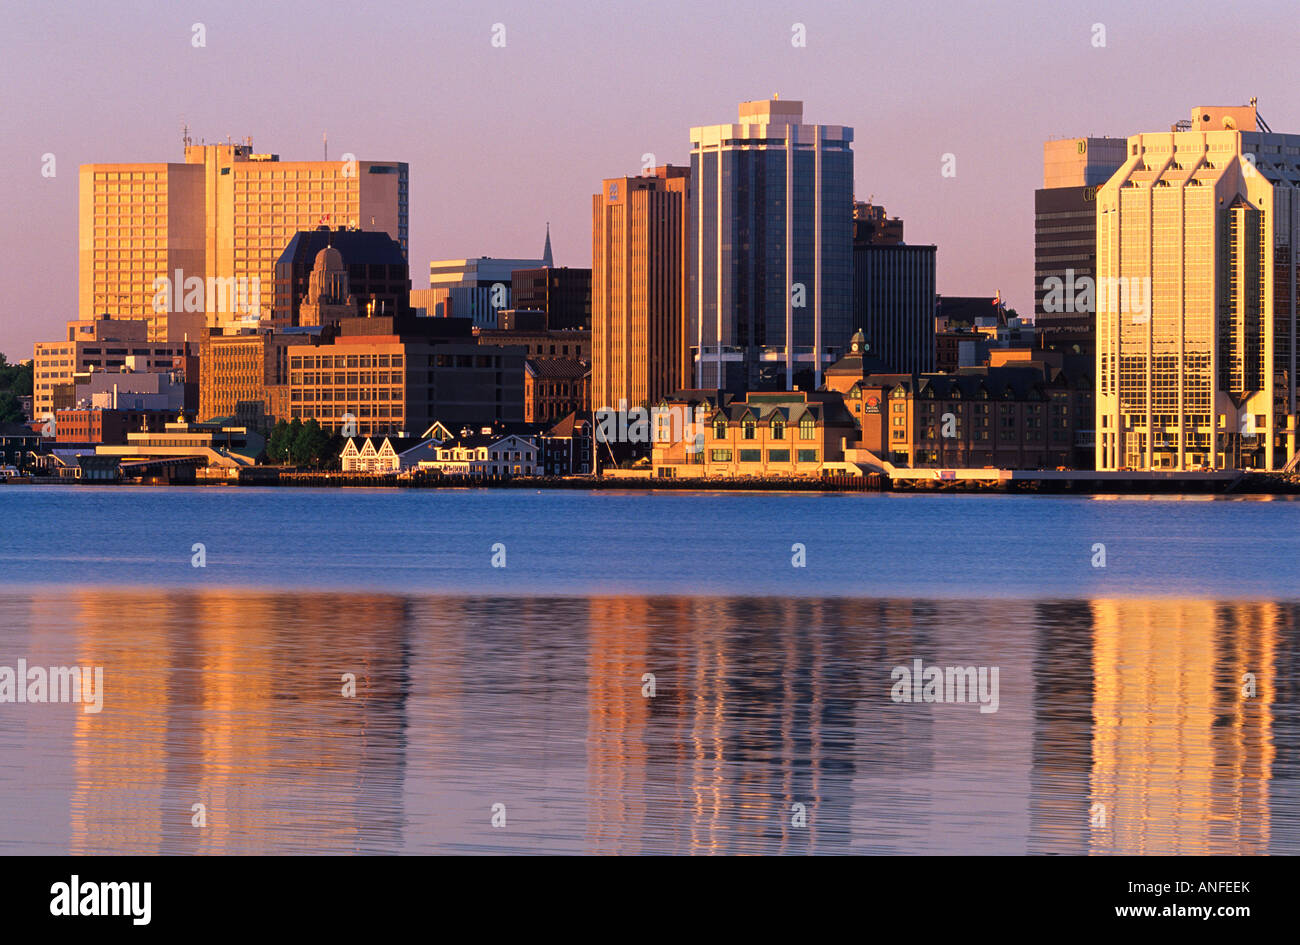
[558, 368]
[357, 247]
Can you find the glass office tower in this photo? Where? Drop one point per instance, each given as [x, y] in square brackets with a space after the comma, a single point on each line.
[771, 248]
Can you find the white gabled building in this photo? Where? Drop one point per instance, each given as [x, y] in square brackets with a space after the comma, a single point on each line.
[486, 455]
[373, 454]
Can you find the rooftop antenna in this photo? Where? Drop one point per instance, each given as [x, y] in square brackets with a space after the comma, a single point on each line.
[325, 142]
[185, 135]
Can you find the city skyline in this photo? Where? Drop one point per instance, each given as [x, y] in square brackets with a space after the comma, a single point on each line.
[470, 198]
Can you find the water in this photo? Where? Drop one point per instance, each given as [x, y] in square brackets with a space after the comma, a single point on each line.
[1147, 706]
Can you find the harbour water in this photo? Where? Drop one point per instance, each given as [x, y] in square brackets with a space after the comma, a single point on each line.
[559, 671]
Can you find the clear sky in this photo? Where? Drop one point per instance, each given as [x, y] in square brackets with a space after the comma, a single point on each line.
[500, 140]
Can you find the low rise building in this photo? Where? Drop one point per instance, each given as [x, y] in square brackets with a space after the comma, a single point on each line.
[786, 434]
[555, 388]
[484, 454]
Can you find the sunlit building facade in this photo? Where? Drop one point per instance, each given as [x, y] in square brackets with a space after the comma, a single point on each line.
[1196, 298]
[772, 248]
[222, 217]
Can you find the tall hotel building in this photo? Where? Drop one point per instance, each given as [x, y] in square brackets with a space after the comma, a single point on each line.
[1065, 240]
[771, 248]
[1196, 309]
[223, 217]
[639, 243]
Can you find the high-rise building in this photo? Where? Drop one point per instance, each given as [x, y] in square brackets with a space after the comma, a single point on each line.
[193, 246]
[639, 242]
[772, 248]
[893, 293]
[1196, 297]
[1065, 242]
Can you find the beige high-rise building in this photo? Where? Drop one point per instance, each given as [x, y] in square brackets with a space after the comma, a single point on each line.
[193, 246]
[639, 242]
[1196, 297]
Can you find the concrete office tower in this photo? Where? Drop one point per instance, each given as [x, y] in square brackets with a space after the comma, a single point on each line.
[1196, 302]
[1065, 237]
[639, 244]
[893, 293]
[193, 246]
[772, 244]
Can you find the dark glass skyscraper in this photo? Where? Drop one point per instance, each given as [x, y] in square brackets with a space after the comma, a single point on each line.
[771, 248]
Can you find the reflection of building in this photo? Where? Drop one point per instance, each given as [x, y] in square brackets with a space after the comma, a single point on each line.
[1197, 298]
[234, 701]
[1182, 758]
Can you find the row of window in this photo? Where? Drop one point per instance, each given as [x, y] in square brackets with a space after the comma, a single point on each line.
[756, 456]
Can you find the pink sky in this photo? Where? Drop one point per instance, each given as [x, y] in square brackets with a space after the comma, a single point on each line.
[500, 140]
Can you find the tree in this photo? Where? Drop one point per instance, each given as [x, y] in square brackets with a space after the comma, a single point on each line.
[309, 444]
[277, 445]
[11, 411]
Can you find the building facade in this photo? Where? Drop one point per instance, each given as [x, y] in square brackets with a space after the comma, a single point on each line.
[383, 375]
[1065, 241]
[1197, 265]
[192, 246]
[99, 343]
[640, 238]
[562, 293]
[792, 434]
[894, 303]
[771, 248]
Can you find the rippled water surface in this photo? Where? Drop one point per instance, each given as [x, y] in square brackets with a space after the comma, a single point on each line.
[648, 673]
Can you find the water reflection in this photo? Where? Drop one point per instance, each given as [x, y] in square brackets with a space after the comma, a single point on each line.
[1122, 726]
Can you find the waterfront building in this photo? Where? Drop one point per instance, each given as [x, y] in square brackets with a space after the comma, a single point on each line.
[485, 453]
[566, 448]
[771, 248]
[1009, 417]
[222, 218]
[1197, 260]
[640, 239]
[715, 435]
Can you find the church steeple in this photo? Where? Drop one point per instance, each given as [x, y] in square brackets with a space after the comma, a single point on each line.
[546, 252]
